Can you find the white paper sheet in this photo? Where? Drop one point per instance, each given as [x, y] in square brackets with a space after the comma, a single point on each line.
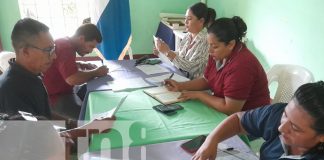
[110, 113]
[112, 66]
[100, 116]
[224, 154]
[152, 69]
[162, 56]
[119, 85]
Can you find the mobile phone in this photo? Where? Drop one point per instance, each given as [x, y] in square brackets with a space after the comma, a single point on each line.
[153, 61]
[193, 145]
[140, 60]
[167, 108]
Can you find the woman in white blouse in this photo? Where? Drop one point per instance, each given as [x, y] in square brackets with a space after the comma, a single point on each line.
[192, 56]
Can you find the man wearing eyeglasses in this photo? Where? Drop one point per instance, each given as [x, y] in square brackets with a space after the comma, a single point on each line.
[21, 86]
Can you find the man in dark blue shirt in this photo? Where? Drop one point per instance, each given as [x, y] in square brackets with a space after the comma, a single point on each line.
[21, 87]
[290, 131]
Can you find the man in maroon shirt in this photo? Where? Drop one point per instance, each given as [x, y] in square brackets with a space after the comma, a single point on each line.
[65, 72]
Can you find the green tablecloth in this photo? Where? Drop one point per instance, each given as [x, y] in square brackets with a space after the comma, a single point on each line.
[138, 124]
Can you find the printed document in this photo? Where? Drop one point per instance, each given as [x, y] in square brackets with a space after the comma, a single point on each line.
[162, 56]
[152, 69]
[123, 84]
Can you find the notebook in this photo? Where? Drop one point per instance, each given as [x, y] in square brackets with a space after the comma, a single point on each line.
[163, 95]
[110, 113]
[159, 80]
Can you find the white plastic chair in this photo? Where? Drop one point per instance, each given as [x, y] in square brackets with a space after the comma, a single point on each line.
[4, 58]
[127, 49]
[289, 78]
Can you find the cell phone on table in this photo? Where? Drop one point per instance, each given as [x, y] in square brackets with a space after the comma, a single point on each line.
[153, 61]
[167, 109]
[193, 145]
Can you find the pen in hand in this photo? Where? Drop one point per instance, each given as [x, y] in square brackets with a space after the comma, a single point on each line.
[171, 76]
[164, 83]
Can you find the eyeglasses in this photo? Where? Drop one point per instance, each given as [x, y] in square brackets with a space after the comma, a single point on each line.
[48, 50]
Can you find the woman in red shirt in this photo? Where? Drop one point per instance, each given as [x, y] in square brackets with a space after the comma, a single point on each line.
[233, 73]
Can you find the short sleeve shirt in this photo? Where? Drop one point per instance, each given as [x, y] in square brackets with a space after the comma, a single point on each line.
[241, 77]
[63, 66]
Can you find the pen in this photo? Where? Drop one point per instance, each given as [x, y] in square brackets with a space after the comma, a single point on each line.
[168, 78]
[171, 76]
[102, 62]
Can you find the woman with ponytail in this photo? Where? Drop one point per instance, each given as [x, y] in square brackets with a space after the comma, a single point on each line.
[233, 73]
[192, 56]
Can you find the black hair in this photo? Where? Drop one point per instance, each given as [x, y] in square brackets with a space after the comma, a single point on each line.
[227, 29]
[310, 97]
[89, 31]
[25, 29]
[200, 10]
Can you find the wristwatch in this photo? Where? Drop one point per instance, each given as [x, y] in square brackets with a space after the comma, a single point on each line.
[167, 53]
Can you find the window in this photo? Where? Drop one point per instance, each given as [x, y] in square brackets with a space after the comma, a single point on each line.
[63, 17]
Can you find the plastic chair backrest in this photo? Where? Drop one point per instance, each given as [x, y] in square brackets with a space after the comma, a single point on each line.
[4, 58]
[289, 78]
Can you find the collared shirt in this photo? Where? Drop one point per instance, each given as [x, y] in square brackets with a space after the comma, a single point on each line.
[286, 155]
[21, 90]
[193, 54]
[63, 66]
[221, 63]
[264, 122]
[240, 77]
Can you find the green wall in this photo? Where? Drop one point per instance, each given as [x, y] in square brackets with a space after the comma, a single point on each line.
[281, 32]
[145, 19]
[9, 15]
